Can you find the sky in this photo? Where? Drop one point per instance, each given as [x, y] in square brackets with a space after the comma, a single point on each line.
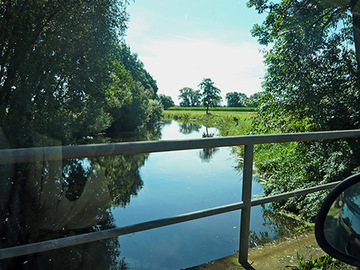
[181, 42]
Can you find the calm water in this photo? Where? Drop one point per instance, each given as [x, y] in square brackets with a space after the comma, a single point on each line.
[180, 182]
[48, 200]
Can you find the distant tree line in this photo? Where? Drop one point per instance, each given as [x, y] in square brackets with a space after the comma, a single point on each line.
[210, 97]
[237, 99]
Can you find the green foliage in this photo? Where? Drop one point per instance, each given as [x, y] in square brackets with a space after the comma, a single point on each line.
[311, 75]
[64, 73]
[235, 99]
[128, 100]
[255, 100]
[189, 97]
[153, 111]
[229, 123]
[122, 177]
[53, 67]
[311, 84]
[166, 101]
[210, 95]
[136, 68]
[324, 263]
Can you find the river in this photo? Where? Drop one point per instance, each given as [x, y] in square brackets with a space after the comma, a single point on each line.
[180, 182]
[48, 200]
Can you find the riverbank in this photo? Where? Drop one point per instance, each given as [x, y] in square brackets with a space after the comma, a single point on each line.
[279, 254]
[229, 123]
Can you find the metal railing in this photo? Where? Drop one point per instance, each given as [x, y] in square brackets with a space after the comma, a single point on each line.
[8, 156]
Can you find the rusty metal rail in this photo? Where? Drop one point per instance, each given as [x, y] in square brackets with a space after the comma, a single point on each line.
[8, 156]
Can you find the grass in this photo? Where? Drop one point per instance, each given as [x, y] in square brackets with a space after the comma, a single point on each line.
[198, 115]
[326, 263]
[229, 123]
[232, 123]
[239, 109]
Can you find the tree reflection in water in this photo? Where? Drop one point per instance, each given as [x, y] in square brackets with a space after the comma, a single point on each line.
[48, 200]
[207, 154]
[188, 128]
[279, 226]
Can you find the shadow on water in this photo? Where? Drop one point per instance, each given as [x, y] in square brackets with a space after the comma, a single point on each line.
[48, 200]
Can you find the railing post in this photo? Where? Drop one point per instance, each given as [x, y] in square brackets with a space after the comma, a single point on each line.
[246, 198]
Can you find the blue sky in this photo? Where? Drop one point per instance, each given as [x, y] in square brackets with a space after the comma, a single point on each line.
[181, 42]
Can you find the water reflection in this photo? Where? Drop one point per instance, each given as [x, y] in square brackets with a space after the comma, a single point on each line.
[207, 154]
[48, 200]
[207, 133]
[188, 128]
[277, 226]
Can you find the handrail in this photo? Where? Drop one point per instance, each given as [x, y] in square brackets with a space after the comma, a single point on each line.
[8, 156]
[19, 155]
[114, 232]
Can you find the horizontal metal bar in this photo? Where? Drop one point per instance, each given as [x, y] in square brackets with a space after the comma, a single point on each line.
[295, 193]
[8, 156]
[105, 234]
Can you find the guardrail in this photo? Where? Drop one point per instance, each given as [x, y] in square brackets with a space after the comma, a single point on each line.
[8, 156]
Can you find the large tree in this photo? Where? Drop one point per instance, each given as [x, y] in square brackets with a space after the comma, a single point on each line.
[53, 67]
[236, 99]
[131, 94]
[210, 95]
[189, 97]
[311, 83]
[65, 74]
[136, 68]
[166, 101]
[312, 69]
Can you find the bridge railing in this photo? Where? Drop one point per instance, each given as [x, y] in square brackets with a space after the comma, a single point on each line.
[9, 156]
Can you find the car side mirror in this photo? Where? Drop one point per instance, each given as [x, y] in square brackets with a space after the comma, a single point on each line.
[337, 228]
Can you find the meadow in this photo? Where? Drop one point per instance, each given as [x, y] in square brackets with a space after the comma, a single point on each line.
[229, 122]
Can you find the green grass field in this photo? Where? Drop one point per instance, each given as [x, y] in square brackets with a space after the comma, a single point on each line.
[240, 109]
[192, 114]
[228, 122]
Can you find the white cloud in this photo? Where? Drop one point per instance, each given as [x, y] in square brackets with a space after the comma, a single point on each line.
[176, 63]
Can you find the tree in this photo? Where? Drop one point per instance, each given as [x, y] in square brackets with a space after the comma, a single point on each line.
[210, 95]
[255, 100]
[54, 67]
[311, 70]
[195, 98]
[136, 68]
[312, 83]
[189, 97]
[185, 96]
[131, 100]
[166, 101]
[235, 99]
